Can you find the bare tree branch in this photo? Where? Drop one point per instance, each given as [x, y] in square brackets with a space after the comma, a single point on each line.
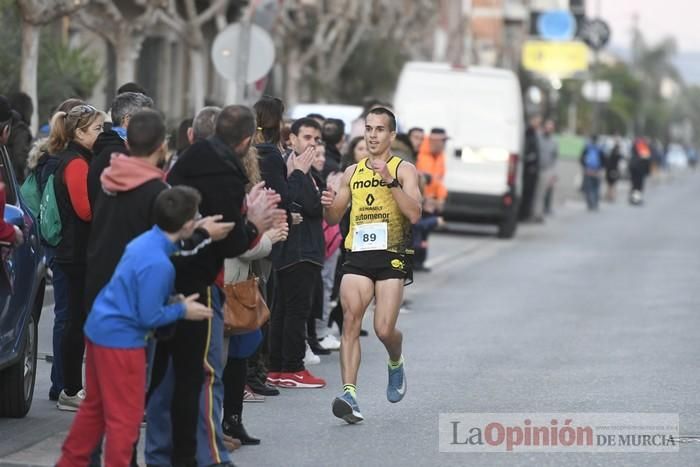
[40, 12]
[215, 8]
[321, 36]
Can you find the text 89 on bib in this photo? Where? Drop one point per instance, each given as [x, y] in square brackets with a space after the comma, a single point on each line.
[370, 237]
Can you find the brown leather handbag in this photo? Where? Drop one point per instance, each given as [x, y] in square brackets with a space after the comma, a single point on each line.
[245, 309]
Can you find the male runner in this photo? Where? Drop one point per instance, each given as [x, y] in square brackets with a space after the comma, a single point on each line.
[386, 200]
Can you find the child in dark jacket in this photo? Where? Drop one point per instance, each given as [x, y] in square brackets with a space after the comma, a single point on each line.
[134, 302]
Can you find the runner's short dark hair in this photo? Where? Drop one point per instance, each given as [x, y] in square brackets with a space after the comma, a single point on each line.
[175, 207]
[387, 112]
[146, 132]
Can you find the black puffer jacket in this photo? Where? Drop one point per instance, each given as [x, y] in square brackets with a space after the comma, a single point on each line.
[107, 143]
[19, 145]
[211, 167]
[299, 194]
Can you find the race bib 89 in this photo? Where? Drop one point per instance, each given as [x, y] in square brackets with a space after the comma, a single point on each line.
[370, 237]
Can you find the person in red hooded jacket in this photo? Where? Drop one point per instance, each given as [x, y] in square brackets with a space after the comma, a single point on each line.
[9, 234]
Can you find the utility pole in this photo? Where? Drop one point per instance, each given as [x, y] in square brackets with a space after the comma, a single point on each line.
[596, 75]
[636, 52]
[243, 58]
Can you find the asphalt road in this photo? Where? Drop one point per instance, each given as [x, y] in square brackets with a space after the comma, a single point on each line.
[592, 312]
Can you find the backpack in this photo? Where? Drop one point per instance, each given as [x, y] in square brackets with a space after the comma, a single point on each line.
[31, 194]
[50, 225]
[592, 160]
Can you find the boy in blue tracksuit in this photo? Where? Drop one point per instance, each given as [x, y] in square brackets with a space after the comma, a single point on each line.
[132, 304]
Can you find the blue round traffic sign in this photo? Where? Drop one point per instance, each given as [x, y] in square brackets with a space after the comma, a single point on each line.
[556, 25]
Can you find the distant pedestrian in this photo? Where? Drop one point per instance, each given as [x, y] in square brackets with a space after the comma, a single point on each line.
[612, 171]
[431, 165]
[21, 135]
[431, 162]
[200, 127]
[334, 138]
[592, 161]
[548, 149]
[182, 142]
[640, 167]
[416, 135]
[530, 167]
[357, 150]
[402, 148]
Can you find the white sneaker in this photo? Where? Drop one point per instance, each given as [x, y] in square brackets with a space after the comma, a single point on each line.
[70, 403]
[330, 342]
[311, 358]
[250, 396]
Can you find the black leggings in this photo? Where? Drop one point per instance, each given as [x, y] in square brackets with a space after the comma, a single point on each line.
[73, 343]
[296, 289]
[235, 375]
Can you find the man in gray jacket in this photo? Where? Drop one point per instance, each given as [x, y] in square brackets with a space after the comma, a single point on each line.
[549, 153]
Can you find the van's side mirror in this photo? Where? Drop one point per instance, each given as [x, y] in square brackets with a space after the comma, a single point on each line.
[458, 153]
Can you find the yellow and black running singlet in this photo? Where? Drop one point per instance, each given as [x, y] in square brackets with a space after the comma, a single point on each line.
[374, 205]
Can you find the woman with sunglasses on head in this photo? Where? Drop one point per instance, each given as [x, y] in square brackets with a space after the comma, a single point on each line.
[72, 137]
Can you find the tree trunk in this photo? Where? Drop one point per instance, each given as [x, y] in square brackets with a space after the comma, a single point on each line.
[127, 51]
[292, 79]
[30, 63]
[197, 80]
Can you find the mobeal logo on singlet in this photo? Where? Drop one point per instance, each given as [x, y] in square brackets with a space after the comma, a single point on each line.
[374, 183]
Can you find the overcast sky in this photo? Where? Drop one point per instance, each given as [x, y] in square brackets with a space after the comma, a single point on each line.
[657, 19]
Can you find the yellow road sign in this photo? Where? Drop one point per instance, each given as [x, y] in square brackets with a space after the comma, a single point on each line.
[555, 59]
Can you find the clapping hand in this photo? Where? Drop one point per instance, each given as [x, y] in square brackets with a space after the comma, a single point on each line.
[195, 311]
[217, 230]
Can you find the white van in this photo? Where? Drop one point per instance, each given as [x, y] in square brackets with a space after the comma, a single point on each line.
[481, 110]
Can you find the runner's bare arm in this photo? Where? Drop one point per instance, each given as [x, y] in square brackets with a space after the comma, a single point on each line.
[408, 196]
[335, 204]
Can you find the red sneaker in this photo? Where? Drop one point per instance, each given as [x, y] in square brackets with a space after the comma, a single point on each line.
[273, 378]
[300, 379]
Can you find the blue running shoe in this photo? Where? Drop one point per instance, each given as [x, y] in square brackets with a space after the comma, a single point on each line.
[345, 407]
[396, 388]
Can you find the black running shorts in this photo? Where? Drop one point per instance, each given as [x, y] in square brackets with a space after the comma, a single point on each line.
[379, 265]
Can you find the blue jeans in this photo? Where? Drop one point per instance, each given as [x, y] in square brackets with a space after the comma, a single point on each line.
[60, 312]
[591, 188]
[210, 447]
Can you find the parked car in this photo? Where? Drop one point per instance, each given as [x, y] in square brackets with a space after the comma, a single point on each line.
[22, 283]
[481, 110]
